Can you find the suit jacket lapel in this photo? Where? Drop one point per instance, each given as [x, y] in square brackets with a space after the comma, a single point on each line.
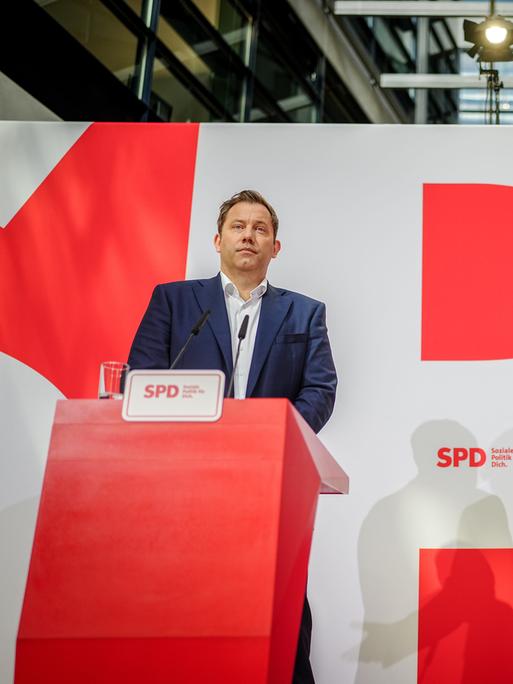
[273, 311]
[209, 294]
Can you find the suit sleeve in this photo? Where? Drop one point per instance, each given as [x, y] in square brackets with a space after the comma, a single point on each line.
[150, 348]
[316, 397]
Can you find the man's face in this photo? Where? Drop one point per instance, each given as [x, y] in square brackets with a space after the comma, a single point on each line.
[246, 243]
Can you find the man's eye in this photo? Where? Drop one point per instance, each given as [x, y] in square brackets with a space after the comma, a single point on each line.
[262, 229]
[237, 226]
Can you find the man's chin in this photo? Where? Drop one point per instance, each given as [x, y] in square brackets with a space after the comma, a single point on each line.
[247, 261]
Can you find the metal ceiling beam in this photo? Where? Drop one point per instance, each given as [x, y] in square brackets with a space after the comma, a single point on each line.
[418, 8]
[354, 70]
[422, 81]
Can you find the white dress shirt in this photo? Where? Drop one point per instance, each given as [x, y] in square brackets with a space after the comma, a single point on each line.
[237, 308]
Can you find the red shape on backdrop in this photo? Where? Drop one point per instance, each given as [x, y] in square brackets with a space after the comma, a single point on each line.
[79, 261]
[467, 291]
[465, 616]
[183, 564]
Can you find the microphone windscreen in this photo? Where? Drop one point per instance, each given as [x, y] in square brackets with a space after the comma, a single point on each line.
[201, 322]
[244, 327]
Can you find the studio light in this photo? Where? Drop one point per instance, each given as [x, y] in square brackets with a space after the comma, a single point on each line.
[492, 39]
[496, 34]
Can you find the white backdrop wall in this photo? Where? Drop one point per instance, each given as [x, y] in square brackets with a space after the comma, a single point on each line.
[349, 200]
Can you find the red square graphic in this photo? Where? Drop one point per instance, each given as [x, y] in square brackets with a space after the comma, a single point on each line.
[467, 289]
[465, 616]
[79, 260]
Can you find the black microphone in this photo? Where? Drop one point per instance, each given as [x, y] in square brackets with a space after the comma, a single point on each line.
[242, 334]
[194, 331]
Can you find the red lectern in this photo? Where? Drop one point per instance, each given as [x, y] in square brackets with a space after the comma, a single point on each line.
[172, 552]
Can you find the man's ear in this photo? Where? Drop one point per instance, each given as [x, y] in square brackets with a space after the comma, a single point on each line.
[217, 242]
[277, 247]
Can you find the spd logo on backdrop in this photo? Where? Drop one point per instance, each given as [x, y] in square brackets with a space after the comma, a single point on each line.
[456, 456]
[473, 457]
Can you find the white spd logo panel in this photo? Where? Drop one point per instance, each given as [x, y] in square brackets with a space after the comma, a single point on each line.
[173, 395]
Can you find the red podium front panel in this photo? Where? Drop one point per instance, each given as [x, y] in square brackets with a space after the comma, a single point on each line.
[171, 552]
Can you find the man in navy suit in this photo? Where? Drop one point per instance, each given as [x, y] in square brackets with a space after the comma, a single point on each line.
[286, 351]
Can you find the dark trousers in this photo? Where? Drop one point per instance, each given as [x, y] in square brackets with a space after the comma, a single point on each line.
[302, 669]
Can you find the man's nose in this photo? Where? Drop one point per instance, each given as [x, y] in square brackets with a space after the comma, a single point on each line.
[248, 234]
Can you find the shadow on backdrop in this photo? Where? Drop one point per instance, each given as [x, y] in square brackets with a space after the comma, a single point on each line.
[438, 508]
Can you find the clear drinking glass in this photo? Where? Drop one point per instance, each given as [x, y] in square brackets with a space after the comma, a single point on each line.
[112, 379]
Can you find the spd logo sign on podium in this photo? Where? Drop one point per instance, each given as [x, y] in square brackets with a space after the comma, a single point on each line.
[171, 395]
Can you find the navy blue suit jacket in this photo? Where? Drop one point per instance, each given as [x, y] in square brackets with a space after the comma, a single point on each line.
[292, 356]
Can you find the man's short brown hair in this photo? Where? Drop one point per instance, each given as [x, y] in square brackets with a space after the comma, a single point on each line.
[251, 196]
